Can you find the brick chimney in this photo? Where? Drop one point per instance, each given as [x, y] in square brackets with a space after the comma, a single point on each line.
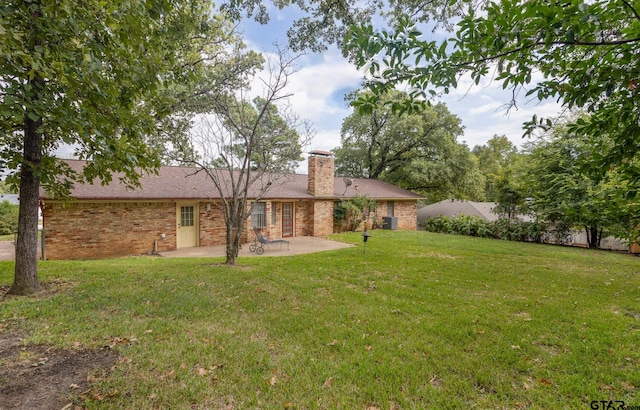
[320, 173]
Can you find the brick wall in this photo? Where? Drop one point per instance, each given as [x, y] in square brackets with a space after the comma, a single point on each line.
[321, 176]
[405, 211]
[274, 228]
[213, 230]
[303, 211]
[99, 230]
[110, 229]
[322, 218]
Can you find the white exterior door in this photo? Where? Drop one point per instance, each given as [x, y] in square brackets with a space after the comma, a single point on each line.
[187, 224]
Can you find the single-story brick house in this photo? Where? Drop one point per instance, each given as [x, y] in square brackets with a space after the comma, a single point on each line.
[178, 208]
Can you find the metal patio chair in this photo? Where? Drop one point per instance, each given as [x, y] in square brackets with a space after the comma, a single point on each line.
[260, 240]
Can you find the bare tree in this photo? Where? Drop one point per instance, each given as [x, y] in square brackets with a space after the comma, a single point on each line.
[248, 145]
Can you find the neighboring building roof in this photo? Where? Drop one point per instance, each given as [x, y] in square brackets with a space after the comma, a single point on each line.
[455, 207]
[11, 198]
[186, 183]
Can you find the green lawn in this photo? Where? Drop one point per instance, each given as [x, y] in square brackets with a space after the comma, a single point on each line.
[420, 320]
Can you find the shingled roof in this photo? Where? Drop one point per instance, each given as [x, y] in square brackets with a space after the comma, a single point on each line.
[185, 183]
[458, 207]
[454, 207]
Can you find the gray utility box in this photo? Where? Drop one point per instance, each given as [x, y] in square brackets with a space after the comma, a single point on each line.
[390, 222]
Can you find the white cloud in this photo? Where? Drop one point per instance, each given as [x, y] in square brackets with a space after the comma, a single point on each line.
[315, 87]
[318, 86]
[317, 94]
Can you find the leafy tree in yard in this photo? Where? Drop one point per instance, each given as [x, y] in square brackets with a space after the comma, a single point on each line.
[418, 152]
[7, 188]
[495, 159]
[568, 190]
[323, 22]
[351, 213]
[247, 145]
[89, 74]
[585, 52]
[8, 218]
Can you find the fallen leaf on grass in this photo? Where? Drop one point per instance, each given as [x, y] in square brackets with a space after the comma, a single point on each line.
[333, 342]
[627, 386]
[96, 395]
[526, 317]
[202, 371]
[436, 382]
[273, 380]
[546, 382]
[606, 387]
[167, 374]
[120, 341]
[41, 361]
[369, 348]
[328, 383]
[288, 405]
[92, 379]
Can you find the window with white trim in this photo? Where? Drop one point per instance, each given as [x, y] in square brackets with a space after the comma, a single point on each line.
[258, 215]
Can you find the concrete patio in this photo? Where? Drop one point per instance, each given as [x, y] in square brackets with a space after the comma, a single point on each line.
[297, 245]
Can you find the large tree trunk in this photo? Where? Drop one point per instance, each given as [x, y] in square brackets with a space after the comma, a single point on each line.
[26, 269]
[592, 236]
[231, 250]
[233, 241]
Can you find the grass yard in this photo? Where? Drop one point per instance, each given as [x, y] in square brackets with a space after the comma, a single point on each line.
[420, 320]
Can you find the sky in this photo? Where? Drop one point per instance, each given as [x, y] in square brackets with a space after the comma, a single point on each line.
[324, 78]
[319, 87]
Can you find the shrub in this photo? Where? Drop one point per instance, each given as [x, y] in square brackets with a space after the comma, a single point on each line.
[459, 225]
[512, 230]
[8, 218]
[350, 213]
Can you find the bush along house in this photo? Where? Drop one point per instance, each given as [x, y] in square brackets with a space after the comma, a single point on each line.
[178, 208]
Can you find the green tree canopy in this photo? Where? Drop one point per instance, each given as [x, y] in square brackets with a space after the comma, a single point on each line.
[568, 189]
[418, 152]
[495, 159]
[322, 22]
[585, 52]
[91, 75]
